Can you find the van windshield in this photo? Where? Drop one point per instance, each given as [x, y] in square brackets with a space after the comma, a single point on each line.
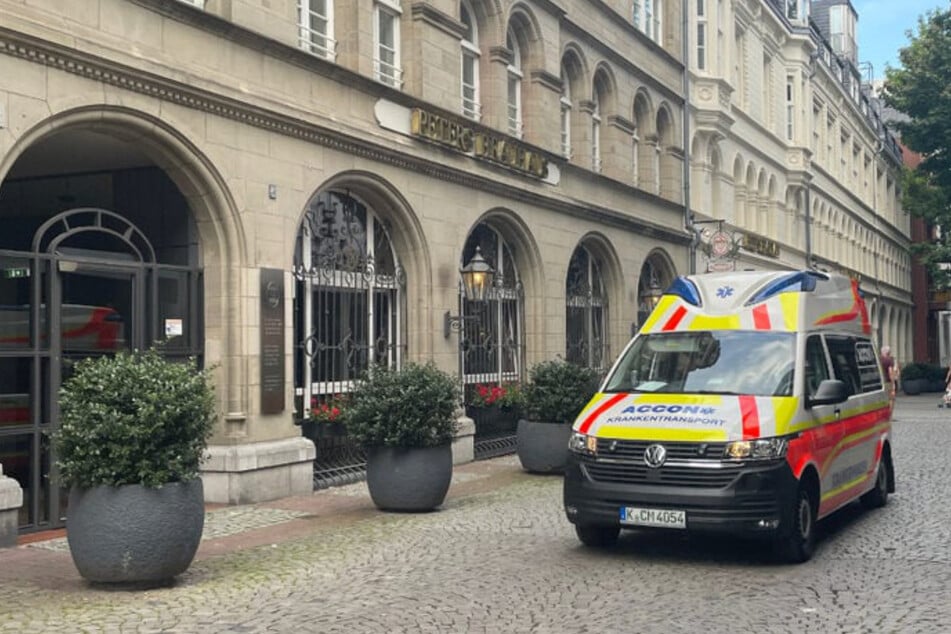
[708, 362]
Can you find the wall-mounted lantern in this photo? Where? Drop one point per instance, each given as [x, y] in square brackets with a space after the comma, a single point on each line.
[477, 277]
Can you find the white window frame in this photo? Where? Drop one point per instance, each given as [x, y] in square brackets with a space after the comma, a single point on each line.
[307, 35]
[790, 106]
[471, 105]
[565, 115]
[701, 46]
[388, 73]
[596, 131]
[513, 100]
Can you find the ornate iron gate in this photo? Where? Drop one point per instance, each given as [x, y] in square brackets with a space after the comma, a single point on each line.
[347, 317]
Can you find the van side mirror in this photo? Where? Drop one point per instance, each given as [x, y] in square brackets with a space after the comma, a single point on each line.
[829, 392]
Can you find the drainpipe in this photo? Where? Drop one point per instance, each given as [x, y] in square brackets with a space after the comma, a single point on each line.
[808, 227]
[688, 214]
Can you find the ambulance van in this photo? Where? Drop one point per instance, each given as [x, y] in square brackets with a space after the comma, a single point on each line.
[749, 403]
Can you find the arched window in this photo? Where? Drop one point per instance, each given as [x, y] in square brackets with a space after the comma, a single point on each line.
[586, 312]
[471, 106]
[565, 113]
[514, 92]
[492, 338]
[347, 309]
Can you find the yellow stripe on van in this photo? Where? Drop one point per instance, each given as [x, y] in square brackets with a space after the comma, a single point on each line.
[790, 303]
[663, 305]
[784, 409]
[660, 433]
[715, 322]
[665, 398]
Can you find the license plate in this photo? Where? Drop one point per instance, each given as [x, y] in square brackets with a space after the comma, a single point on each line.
[662, 518]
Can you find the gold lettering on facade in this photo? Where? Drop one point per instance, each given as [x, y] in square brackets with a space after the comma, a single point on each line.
[760, 245]
[482, 145]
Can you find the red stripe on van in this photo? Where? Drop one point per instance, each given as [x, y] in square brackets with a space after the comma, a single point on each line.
[611, 402]
[675, 318]
[750, 414]
[761, 318]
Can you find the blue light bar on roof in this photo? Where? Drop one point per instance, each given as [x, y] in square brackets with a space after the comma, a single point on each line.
[685, 290]
[801, 281]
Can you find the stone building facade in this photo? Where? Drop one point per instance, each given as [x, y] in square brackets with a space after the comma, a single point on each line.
[789, 155]
[288, 189]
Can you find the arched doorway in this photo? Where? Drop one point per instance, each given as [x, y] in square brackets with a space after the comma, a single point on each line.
[100, 253]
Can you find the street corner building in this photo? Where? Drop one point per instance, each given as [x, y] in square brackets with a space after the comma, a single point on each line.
[295, 190]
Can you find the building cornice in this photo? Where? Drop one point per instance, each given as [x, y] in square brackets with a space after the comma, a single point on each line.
[69, 60]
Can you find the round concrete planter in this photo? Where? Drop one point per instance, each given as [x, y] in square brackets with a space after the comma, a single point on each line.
[409, 478]
[543, 447]
[133, 534]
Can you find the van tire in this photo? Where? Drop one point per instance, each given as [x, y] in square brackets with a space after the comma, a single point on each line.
[878, 496]
[595, 536]
[798, 543]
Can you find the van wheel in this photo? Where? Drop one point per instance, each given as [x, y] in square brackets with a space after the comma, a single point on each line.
[878, 496]
[597, 536]
[799, 543]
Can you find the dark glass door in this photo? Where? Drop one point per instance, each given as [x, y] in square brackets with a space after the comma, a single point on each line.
[98, 309]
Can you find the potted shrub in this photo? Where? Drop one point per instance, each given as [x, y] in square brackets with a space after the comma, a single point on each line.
[556, 393]
[133, 430]
[406, 420]
[912, 378]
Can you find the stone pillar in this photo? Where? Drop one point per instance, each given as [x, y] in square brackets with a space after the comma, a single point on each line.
[11, 499]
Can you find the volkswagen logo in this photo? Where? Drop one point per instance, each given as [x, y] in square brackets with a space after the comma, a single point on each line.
[654, 456]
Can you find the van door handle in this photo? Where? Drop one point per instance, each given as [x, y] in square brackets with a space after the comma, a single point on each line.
[837, 412]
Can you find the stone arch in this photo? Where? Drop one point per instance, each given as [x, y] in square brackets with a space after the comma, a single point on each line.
[529, 33]
[605, 82]
[223, 249]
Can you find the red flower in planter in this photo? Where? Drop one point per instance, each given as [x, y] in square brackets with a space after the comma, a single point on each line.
[324, 409]
[487, 395]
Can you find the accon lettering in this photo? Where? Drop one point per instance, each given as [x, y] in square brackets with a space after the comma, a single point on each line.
[670, 409]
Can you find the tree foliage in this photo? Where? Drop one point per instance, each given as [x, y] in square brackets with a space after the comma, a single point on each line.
[921, 90]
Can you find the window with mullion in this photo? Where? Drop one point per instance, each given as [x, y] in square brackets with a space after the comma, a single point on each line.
[565, 115]
[387, 35]
[315, 19]
[514, 89]
[596, 132]
[471, 106]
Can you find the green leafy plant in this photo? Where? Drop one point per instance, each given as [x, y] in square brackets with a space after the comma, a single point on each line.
[557, 391]
[912, 372]
[414, 406]
[133, 418]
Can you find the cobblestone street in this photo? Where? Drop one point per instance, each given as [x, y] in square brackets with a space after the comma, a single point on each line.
[500, 557]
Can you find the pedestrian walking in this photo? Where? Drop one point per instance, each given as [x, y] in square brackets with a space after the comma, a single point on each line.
[891, 372]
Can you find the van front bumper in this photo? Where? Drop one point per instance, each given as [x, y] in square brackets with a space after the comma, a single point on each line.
[751, 500]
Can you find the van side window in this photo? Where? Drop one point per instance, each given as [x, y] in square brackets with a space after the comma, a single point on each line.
[870, 375]
[817, 370]
[844, 362]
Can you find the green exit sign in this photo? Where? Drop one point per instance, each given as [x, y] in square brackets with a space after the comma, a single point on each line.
[12, 274]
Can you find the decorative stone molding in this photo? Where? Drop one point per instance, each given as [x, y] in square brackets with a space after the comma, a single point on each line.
[500, 54]
[548, 80]
[624, 125]
[432, 16]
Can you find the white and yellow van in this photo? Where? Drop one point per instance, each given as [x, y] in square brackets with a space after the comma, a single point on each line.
[749, 403]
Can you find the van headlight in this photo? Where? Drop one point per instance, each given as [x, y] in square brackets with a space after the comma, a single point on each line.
[583, 443]
[762, 449]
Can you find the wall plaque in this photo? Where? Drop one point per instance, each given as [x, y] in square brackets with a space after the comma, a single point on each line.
[272, 341]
